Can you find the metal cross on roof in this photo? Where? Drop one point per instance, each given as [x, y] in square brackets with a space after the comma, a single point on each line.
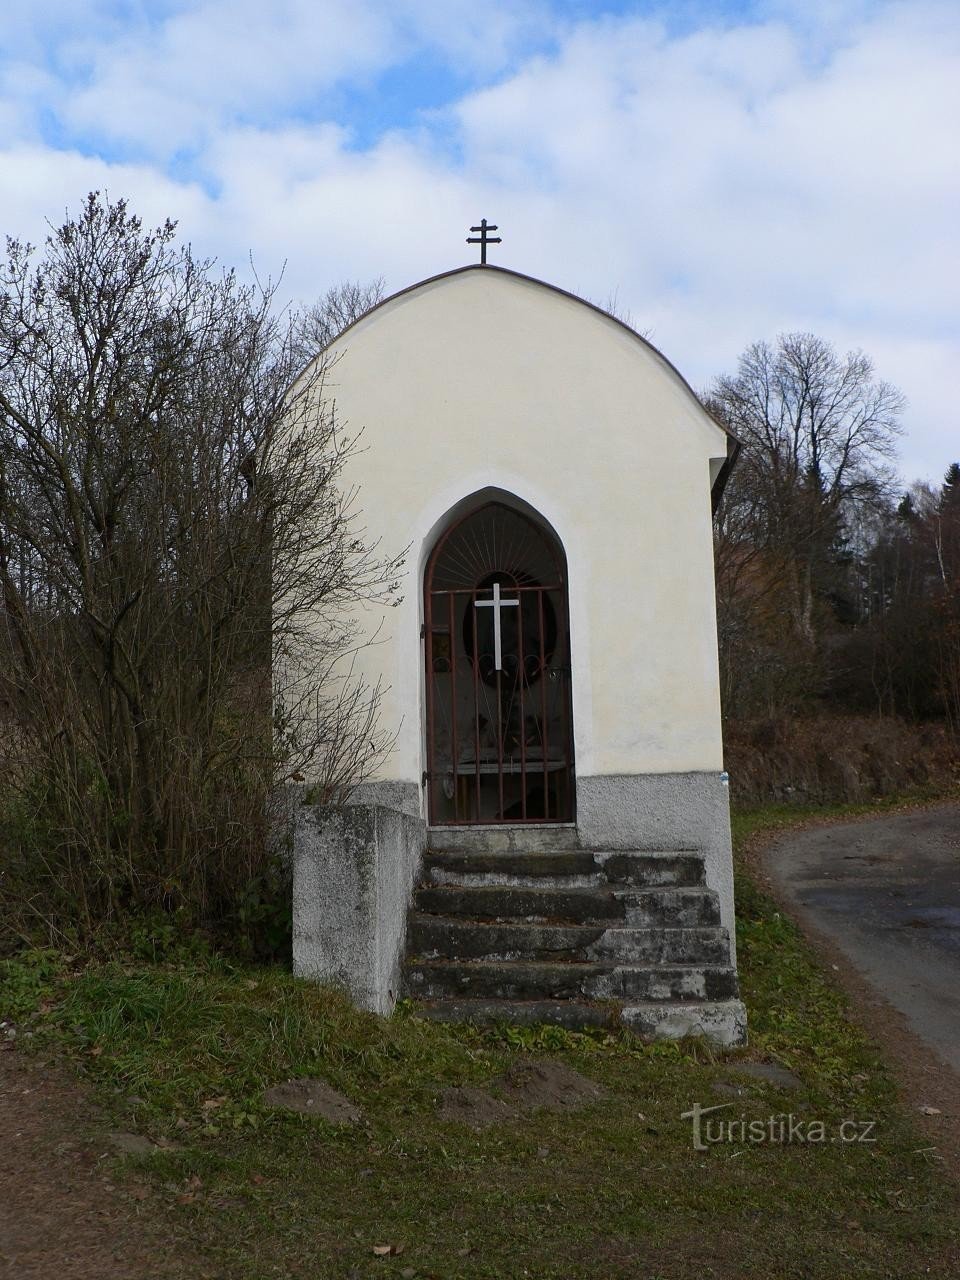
[483, 239]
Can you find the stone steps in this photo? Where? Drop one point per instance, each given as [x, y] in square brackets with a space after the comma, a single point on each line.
[722, 1022]
[572, 869]
[568, 980]
[576, 937]
[445, 938]
[687, 907]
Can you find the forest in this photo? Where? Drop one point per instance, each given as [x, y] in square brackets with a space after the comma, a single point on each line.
[838, 587]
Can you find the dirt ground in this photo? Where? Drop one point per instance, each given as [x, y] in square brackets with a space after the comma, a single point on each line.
[526, 1086]
[61, 1216]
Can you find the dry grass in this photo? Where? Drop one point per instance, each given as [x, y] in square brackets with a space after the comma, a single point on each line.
[833, 759]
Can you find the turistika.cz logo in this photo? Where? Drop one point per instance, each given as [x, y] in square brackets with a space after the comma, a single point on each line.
[710, 1129]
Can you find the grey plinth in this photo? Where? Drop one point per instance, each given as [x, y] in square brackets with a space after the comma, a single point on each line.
[663, 811]
[353, 874]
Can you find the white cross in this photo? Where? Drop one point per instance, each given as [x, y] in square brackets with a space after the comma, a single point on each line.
[496, 604]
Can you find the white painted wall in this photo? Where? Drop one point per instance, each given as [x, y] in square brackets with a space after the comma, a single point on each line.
[482, 379]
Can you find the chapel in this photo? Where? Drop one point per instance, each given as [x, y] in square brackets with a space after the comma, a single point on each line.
[549, 838]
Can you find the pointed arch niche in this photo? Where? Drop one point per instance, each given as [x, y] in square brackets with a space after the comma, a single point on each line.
[498, 705]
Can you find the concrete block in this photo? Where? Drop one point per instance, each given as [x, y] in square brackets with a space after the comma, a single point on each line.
[663, 811]
[722, 1022]
[353, 874]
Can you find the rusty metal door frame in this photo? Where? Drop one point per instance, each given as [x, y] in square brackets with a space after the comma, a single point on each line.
[467, 782]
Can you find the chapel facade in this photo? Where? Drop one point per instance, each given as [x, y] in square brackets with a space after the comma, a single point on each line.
[551, 674]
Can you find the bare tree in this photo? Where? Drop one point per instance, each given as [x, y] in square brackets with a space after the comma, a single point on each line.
[818, 433]
[177, 561]
[316, 326]
[614, 308]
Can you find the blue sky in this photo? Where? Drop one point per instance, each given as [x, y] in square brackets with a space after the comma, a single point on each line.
[729, 171]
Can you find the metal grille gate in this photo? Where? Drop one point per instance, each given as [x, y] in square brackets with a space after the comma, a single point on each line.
[499, 727]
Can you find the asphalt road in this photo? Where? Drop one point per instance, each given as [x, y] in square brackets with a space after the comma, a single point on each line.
[886, 892]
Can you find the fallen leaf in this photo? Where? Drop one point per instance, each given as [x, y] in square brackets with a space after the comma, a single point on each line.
[931, 1111]
[210, 1104]
[383, 1250]
[139, 1193]
[257, 1178]
[96, 1051]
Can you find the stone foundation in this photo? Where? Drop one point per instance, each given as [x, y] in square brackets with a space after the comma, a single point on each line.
[353, 875]
[355, 868]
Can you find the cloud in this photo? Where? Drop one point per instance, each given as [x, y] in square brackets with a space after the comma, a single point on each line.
[729, 177]
[39, 187]
[172, 76]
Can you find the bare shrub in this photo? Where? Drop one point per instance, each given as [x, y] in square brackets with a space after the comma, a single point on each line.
[177, 563]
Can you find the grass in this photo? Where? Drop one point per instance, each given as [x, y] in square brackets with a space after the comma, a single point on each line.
[181, 1048]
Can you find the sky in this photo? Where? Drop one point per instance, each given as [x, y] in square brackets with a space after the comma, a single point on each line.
[725, 171]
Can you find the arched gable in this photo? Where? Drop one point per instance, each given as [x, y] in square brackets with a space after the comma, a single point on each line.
[724, 456]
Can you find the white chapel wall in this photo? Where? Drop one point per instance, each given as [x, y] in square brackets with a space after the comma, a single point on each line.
[485, 380]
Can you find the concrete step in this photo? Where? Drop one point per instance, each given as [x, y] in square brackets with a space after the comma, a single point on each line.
[541, 980]
[572, 1014]
[722, 1022]
[524, 837]
[569, 869]
[439, 937]
[686, 907]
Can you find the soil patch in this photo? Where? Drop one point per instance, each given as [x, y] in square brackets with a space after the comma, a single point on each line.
[312, 1098]
[768, 1073]
[474, 1107]
[64, 1211]
[530, 1084]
